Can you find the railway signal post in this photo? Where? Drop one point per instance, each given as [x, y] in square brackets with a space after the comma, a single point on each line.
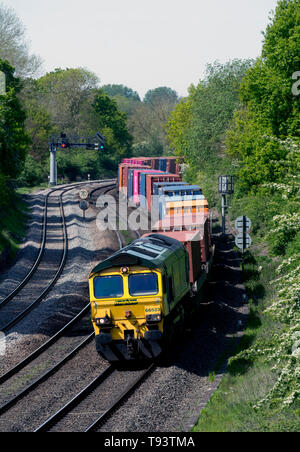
[64, 142]
[53, 165]
[243, 240]
[225, 188]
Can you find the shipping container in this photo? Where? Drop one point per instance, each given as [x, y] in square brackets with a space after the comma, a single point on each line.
[190, 223]
[158, 185]
[184, 205]
[162, 165]
[182, 222]
[124, 175]
[143, 192]
[192, 242]
[179, 205]
[137, 183]
[152, 179]
[133, 161]
[177, 190]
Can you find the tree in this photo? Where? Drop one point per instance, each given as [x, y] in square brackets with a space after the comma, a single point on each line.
[14, 46]
[178, 126]
[67, 96]
[148, 120]
[121, 90]
[39, 124]
[13, 138]
[112, 123]
[213, 104]
[270, 109]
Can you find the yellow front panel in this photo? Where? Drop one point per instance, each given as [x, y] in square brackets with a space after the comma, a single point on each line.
[139, 306]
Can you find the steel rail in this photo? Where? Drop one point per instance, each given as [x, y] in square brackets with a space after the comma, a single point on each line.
[86, 391]
[42, 243]
[47, 344]
[43, 347]
[75, 401]
[120, 400]
[45, 376]
[29, 308]
[63, 260]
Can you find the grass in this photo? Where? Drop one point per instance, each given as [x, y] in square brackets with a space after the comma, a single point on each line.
[29, 190]
[245, 383]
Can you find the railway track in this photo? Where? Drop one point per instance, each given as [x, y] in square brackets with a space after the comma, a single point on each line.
[25, 290]
[90, 389]
[62, 332]
[93, 199]
[90, 409]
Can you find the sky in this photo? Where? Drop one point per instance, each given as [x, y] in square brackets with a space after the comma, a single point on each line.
[143, 44]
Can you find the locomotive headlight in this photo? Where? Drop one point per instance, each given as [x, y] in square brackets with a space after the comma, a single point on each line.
[153, 318]
[125, 270]
[104, 321]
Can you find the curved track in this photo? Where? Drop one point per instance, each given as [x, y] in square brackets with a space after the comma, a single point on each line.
[91, 388]
[50, 261]
[21, 365]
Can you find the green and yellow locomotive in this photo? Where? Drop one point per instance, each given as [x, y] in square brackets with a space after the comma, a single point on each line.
[136, 297]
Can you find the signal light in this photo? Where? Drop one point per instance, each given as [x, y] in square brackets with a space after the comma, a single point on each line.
[64, 141]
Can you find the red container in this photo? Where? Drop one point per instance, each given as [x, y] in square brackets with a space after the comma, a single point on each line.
[171, 165]
[123, 174]
[192, 242]
[188, 223]
[133, 161]
[152, 178]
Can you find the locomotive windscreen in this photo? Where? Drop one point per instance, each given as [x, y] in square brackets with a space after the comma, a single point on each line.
[108, 287]
[143, 284]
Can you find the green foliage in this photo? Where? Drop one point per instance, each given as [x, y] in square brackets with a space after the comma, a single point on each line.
[178, 125]
[112, 123]
[159, 95]
[5, 191]
[39, 124]
[70, 101]
[271, 111]
[121, 90]
[34, 173]
[13, 139]
[267, 88]
[67, 96]
[213, 103]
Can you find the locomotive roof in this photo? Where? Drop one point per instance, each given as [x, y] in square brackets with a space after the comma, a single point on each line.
[155, 251]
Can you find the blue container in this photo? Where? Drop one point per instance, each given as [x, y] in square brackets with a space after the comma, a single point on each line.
[177, 190]
[162, 165]
[158, 185]
[130, 183]
[143, 192]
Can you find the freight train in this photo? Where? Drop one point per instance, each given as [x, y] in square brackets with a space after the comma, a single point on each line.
[142, 295]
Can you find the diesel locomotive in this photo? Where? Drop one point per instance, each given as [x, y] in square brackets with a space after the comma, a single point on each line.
[141, 295]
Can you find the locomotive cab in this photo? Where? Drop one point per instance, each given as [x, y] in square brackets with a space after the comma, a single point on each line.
[127, 306]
